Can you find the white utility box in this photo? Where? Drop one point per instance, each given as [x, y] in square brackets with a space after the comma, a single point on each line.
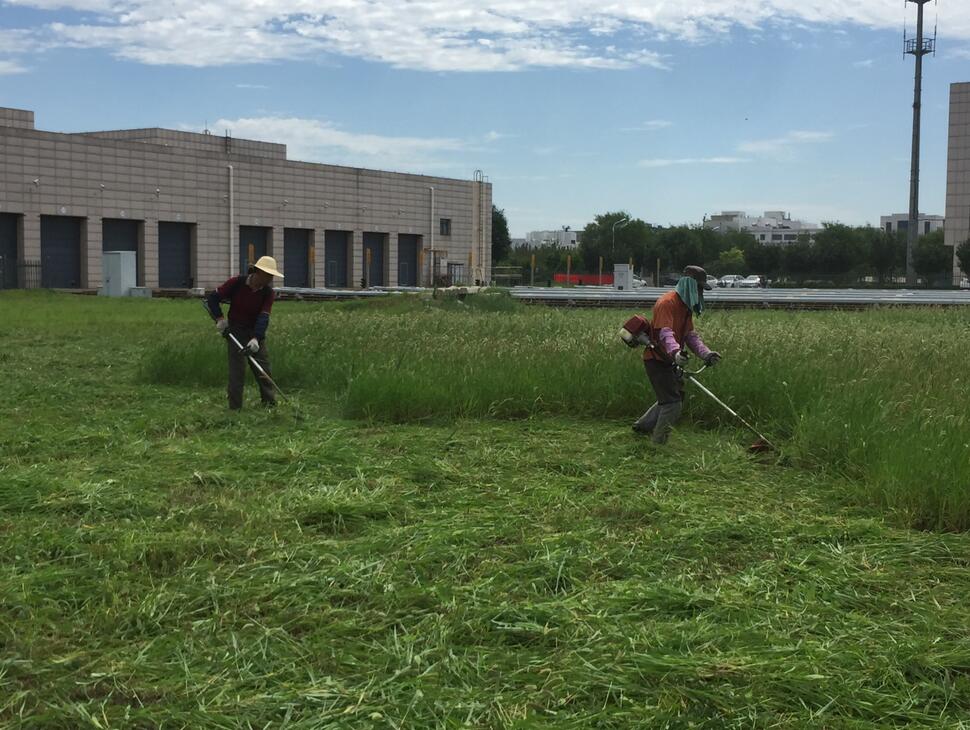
[119, 272]
[623, 277]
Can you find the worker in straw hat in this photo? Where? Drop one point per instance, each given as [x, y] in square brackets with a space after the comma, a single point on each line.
[250, 300]
[673, 327]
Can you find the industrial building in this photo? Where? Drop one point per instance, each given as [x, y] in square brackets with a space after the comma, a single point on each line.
[899, 223]
[774, 227]
[197, 208]
[958, 172]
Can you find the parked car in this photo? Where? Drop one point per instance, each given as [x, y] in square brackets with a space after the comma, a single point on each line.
[965, 283]
[730, 281]
[711, 281]
[754, 281]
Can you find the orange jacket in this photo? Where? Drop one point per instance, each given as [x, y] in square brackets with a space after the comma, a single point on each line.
[673, 328]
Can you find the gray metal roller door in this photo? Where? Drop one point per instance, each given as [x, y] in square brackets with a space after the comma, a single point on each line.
[121, 235]
[335, 247]
[296, 257]
[407, 259]
[374, 242]
[8, 251]
[174, 255]
[255, 237]
[60, 252]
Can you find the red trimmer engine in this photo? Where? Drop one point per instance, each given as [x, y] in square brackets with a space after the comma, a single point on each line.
[636, 331]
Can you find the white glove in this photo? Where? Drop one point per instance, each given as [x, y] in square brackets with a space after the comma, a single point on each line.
[253, 346]
[680, 358]
[221, 325]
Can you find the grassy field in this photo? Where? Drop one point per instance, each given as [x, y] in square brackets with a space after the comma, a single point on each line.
[880, 397]
[388, 556]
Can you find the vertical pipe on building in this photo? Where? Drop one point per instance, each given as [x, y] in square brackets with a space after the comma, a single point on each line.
[431, 250]
[232, 215]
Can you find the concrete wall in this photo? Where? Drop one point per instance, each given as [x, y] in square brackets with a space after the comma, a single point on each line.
[154, 175]
[958, 171]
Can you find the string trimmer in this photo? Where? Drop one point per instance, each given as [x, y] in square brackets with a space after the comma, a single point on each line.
[637, 331]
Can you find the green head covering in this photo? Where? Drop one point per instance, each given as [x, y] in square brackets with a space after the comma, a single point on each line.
[690, 294]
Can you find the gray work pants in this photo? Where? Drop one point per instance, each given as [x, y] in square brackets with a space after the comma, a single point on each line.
[237, 369]
[662, 415]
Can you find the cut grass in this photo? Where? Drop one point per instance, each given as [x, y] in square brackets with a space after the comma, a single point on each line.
[164, 563]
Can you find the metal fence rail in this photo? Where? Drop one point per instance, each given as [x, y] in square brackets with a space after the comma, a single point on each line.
[595, 296]
[28, 275]
[19, 274]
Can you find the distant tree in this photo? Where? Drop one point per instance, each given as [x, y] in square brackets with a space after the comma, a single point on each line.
[763, 259]
[931, 258]
[963, 257]
[683, 247]
[617, 241]
[737, 239]
[730, 262]
[711, 243]
[840, 252]
[501, 241]
[550, 259]
[798, 261]
[887, 253]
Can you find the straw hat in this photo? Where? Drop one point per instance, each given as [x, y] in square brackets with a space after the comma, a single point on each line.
[267, 264]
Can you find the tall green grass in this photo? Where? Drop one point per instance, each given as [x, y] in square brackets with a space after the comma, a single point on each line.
[880, 396]
[166, 563]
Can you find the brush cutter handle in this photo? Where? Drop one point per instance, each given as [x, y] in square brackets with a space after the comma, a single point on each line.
[685, 371]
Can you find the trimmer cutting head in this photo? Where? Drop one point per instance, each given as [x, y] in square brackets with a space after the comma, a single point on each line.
[761, 446]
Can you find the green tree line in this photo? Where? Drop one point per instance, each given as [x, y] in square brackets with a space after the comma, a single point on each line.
[839, 255]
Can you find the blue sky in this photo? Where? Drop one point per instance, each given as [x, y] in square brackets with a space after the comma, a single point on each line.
[571, 107]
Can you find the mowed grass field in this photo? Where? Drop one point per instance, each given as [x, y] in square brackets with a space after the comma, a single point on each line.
[452, 525]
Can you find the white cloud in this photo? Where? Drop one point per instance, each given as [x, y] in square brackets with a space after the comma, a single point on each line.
[783, 145]
[251, 86]
[447, 35]
[650, 126]
[691, 161]
[868, 63]
[959, 53]
[8, 68]
[313, 140]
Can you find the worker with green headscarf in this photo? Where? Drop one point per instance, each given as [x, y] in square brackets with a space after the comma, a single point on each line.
[673, 330]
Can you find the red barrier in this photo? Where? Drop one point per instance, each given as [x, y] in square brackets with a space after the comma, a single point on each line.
[584, 279]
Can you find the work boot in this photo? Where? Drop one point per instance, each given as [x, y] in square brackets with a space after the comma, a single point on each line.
[669, 413]
[648, 421]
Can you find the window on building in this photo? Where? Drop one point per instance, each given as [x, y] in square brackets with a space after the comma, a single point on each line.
[926, 227]
[775, 236]
[456, 273]
[791, 237]
[889, 228]
[445, 227]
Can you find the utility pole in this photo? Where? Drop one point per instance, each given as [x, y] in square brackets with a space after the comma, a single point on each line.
[917, 47]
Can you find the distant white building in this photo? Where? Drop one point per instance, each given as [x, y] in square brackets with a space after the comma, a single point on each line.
[900, 222]
[774, 227]
[564, 238]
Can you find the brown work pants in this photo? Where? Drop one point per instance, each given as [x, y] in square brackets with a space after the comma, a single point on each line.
[237, 369]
